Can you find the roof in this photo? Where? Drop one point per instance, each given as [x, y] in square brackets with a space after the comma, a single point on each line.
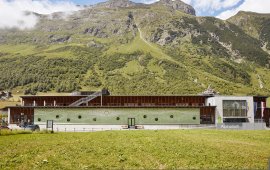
[78, 107]
[241, 96]
[126, 96]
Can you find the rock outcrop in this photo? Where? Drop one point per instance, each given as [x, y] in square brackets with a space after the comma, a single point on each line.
[177, 5]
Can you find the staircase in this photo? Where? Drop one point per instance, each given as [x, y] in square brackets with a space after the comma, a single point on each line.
[86, 99]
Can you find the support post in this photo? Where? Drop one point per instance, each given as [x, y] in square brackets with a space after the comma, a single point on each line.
[9, 117]
[101, 99]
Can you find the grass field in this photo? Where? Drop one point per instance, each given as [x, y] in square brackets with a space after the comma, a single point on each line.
[179, 149]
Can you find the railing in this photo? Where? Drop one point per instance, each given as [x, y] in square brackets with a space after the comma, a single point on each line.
[86, 99]
[72, 129]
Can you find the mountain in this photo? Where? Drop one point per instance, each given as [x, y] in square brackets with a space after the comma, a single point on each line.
[254, 24]
[131, 48]
[117, 4]
[177, 5]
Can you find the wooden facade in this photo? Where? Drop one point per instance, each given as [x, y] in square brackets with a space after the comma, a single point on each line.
[133, 101]
[21, 115]
[260, 106]
[39, 101]
[266, 116]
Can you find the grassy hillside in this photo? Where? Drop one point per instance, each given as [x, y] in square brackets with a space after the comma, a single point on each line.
[179, 149]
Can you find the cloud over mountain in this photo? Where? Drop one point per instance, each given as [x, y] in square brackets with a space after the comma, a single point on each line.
[13, 13]
[260, 6]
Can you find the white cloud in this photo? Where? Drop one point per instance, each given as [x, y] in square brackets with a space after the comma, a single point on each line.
[148, 1]
[212, 6]
[205, 6]
[152, 1]
[187, 1]
[260, 6]
[13, 15]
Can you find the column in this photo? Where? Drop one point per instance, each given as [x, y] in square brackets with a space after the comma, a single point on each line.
[101, 100]
[9, 118]
[44, 103]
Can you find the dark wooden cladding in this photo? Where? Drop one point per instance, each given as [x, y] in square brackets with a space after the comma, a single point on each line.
[258, 114]
[259, 99]
[135, 101]
[50, 100]
[207, 115]
[266, 116]
[17, 114]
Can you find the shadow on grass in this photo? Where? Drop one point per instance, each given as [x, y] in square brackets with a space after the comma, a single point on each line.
[5, 132]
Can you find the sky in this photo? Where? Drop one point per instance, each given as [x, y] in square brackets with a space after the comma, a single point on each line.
[222, 9]
[12, 12]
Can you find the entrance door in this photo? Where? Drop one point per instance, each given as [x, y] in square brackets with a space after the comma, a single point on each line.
[131, 123]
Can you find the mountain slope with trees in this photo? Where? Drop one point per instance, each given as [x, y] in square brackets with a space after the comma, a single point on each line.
[129, 48]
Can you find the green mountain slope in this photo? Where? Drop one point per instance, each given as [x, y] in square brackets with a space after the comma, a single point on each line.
[130, 48]
[255, 25]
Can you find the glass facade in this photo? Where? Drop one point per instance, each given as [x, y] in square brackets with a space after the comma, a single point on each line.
[235, 108]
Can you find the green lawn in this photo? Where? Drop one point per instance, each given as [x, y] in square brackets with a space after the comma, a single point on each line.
[178, 149]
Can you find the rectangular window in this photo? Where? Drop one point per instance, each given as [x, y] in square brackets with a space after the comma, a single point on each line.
[234, 108]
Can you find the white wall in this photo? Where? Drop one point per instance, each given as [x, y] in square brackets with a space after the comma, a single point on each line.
[218, 102]
[93, 128]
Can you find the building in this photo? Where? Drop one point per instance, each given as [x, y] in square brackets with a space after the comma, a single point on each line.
[102, 110]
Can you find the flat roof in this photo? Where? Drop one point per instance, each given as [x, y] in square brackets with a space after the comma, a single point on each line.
[241, 96]
[126, 96]
[77, 107]
[172, 95]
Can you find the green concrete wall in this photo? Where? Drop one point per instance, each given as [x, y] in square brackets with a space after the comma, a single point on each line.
[108, 116]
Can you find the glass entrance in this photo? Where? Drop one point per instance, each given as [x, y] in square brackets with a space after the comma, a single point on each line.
[131, 123]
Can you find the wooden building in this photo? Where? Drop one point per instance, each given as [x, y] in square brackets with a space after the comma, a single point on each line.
[98, 108]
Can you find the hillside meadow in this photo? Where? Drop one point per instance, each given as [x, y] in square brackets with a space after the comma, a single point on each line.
[168, 149]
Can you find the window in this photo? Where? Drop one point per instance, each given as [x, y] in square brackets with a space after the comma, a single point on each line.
[94, 119]
[118, 118]
[235, 120]
[144, 116]
[79, 117]
[156, 119]
[57, 116]
[39, 119]
[68, 119]
[234, 108]
[171, 116]
[194, 118]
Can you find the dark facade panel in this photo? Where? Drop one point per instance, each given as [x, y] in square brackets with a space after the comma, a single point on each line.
[266, 116]
[21, 115]
[184, 101]
[259, 99]
[191, 101]
[50, 100]
[207, 115]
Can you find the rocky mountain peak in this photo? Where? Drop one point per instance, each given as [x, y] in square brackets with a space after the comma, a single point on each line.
[117, 4]
[178, 5]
